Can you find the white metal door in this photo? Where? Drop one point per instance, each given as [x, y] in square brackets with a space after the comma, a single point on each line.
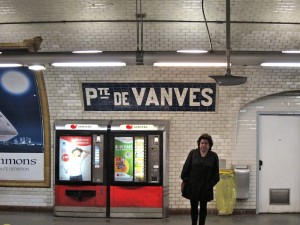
[279, 152]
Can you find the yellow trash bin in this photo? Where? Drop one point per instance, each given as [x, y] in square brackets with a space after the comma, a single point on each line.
[226, 193]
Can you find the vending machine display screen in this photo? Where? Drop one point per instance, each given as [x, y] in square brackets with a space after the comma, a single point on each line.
[123, 160]
[139, 160]
[130, 159]
[75, 158]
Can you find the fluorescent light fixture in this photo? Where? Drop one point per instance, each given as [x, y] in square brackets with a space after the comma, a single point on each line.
[291, 51]
[87, 51]
[87, 64]
[0, 52]
[192, 51]
[189, 64]
[281, 64]
[10, 65]
[37, 67]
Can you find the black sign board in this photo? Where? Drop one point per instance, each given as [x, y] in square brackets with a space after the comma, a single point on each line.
[200, 97]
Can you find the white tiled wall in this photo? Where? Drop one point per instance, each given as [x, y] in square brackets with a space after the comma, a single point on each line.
[245, 152]
[157, 36]
[63, 85]
[64, 96]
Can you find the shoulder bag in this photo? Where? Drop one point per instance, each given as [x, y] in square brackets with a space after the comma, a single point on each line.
[186, 187]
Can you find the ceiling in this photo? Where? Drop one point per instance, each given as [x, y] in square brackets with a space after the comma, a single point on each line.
[282, 11]
[260, 29]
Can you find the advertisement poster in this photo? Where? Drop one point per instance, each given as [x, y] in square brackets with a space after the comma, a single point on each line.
[123, 159]
[75, 158]
[21, 127]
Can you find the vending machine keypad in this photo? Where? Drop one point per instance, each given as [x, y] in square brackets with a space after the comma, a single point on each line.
[98, 143]
[153, 158]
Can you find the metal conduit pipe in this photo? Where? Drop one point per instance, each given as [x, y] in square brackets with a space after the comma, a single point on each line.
[150, 21]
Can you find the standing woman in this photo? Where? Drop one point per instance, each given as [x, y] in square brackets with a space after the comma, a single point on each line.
[200, 173]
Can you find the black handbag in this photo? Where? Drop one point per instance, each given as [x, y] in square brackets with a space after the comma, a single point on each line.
[186, 187]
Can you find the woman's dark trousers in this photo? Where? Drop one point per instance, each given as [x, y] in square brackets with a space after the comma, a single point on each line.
[202, 212]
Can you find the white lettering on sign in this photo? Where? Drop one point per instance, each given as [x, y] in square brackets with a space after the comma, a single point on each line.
[152, 98]
[103, 92]
[138, 96]
[121, 98]
[166, 96]
[209, 100]
[193, 96]
[187, 96]
[180, 97]
[91, 93]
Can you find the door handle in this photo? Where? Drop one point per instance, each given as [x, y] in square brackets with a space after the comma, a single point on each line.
[260, 164]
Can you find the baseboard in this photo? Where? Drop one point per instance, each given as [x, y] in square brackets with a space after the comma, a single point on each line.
[26, 208]
[186, 211]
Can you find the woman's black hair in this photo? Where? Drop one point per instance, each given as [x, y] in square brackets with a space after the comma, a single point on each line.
[206, 137]
[77, 149]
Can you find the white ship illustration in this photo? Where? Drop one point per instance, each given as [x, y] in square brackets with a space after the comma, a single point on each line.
[7, 130]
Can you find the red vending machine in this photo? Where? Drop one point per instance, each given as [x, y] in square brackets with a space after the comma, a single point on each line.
[80, 179]
[138, 177]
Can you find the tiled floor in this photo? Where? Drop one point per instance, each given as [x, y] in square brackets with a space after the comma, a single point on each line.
[38, 218]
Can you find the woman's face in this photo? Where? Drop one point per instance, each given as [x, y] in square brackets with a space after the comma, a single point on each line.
[76, 153]
[204, 145]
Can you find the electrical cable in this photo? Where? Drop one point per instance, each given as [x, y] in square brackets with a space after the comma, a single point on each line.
[210, 42]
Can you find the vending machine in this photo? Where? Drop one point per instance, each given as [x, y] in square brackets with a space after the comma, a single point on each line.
[139, 175]
[116, 168]
[80, 181]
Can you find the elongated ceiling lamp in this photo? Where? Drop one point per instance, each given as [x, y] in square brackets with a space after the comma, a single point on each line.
[10, 65]
[291, 51]
[87, 64]
[192, 51]
[228, 79]
[189, 64]
[36, 67]
[280, 64]
[87, 51]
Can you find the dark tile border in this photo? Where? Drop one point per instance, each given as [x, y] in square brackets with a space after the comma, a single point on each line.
[213, 211]
[26, 209]
[185, 211]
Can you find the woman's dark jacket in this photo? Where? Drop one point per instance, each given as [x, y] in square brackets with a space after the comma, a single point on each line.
[202, 173]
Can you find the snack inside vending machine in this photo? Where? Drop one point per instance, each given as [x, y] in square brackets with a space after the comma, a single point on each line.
[139, 175]
[80, 182]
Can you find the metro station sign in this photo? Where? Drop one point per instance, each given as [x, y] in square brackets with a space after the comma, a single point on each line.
[199, 97]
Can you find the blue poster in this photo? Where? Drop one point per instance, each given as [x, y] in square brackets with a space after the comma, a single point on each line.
[21, 127]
